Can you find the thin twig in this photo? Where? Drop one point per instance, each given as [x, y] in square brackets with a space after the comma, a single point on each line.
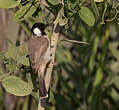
[75, 41]
[103, 15]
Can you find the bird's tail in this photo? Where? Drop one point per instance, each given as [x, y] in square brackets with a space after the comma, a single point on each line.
[43, 91]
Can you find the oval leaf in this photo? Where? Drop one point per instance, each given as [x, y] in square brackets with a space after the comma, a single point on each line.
[16, 86]
[61, 19]
[23, 60]
[12, 52]
[87, 16]
[9, 3]
[24, 12]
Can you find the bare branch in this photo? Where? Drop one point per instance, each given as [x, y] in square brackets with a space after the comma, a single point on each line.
[54, 40]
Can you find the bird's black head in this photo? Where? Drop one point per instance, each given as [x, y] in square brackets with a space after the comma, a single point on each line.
[38, 29]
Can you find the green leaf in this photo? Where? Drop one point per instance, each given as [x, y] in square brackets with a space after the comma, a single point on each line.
[96, 89]
[11, 65]
[16, 86]
[22, 56]
[23, 60]
[94, 7]
[116, 81]
[9, 3]
[38, 13]
[24, 12]
[61, 19]
[87, 16]
[12, 52]
[31, 78]
[114, 95]
[114, 51]
[93, 53]
[2, 75]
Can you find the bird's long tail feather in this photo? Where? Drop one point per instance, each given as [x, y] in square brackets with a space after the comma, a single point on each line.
[43, 91]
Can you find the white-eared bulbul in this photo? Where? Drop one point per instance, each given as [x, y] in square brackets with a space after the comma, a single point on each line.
[39, 53]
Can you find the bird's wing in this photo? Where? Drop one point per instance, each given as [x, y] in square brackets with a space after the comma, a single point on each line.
[37, 49]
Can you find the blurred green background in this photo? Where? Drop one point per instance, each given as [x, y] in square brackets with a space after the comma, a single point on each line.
[85, 77]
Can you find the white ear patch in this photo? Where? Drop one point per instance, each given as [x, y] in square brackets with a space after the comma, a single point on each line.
[37, 32]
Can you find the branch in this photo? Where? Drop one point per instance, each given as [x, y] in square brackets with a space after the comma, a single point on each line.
[75, 41]
[54, 40]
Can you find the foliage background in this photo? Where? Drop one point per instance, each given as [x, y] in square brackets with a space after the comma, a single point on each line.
[85, 77]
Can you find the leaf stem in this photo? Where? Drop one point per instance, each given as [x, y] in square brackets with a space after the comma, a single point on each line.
[75, 41]
[103, 15]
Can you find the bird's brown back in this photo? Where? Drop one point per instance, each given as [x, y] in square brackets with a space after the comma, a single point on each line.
[37, 48]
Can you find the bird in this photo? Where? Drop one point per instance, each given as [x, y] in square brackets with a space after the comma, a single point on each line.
[39, 54]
